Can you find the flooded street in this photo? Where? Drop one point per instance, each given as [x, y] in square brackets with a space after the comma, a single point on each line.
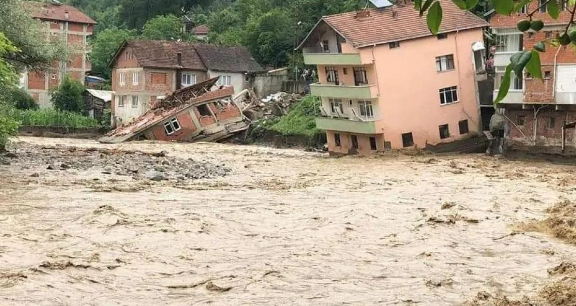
[262, 226]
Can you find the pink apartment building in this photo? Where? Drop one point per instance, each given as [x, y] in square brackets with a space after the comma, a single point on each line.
[386, 82]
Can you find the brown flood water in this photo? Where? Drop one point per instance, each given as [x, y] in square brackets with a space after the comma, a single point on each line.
[284, 227]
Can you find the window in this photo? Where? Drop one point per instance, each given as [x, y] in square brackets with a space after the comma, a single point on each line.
[551, 122]
[337, 140]
[449, 95]
[188, 79]
[122, 79]
[354, 139]
[134, 101]
[172, 126]
[135, 78]
[530, 34]
[442, 36]
[336, 107]
[524, 10]
[542, 5]
[360, 77]
[332, 75]
[563, 4]
[509, 41]
[121, 101]
[394, 45]
[326, 46]
[225, 80]
[445, 63]
[407, 140]
[345, 71]
[517, 82]
[547, 34]
[520, 120]
[373, 144]
[463, 127]
[366, 110]
[129, 55]
[203, 110]
[53, 77]
[444, 131]
[547, 74]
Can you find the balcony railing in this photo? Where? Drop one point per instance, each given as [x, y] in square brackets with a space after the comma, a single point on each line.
[565, 97]
[332, 59]
[350, 122]
[513, 96]
[343, 91]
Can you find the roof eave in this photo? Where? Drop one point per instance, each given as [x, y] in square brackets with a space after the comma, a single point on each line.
[314, 28]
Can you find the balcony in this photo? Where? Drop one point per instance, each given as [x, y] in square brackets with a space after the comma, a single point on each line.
[513, 97]
[346, 125]
[565, 97]
[503, 58]
[345, 92]
[332, 59]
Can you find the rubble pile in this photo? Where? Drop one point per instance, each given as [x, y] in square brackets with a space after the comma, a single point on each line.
[275, 105]
[139, 165]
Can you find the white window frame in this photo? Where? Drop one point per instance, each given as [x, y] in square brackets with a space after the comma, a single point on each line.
[225, 80]
[335, 106]
[135, 78]
[172, 124]
[332, 74]
[366, 109]
[120, 101]
[122, 77]
[188, 79]
[394, 45]
[449, 92]
[445, 63]
[135, 101]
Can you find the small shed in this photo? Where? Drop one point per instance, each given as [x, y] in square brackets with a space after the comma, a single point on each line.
[96, 101]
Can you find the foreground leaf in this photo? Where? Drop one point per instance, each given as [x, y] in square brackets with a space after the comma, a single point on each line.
[534, 66]
[425, 6]
[503, 7]
[460, 4]
[505, 85]
[553, 9]
[470, 4]
[434, 17]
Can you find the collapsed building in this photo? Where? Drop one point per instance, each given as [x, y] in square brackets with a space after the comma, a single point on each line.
[201, 112]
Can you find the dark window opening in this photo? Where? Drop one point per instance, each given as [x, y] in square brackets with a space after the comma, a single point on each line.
[542, 5]
[444, 131]
[354, 141]
[203, 110]
[373, 144]
[360, 76]
[394, 45]
[547, 34]
[337, 140]
[407, 140]
[169, 129]
[551, 122]
[326, 46]
[521, 120]
[345, 71]
[463, 126]
[547, 74]
[442, 36]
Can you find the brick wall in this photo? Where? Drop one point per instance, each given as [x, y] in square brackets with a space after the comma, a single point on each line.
[160, 80]
[36, 80]
[498, 20]
[76, 27]
[186, 124]
[545, 134]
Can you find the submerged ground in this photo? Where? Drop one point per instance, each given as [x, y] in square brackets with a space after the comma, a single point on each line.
[88, 224]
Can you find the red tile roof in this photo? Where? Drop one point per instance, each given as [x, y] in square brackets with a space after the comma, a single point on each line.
[164, 54]
[58, 13]
[382, 27]
[201, 30]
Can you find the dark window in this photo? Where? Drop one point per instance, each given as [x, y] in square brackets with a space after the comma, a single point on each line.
[360, 77]
[444, 131]
[547, 74]
[542, 5]
[463, 126]
[168, 128]
[326, 46]
[445, 63]
[521, 120]
[551, 122]
[172, 126]
[332, 75]
[448, 95]
[203, 110]
[345, 71]
[394, 45]
[354, 141]
[547, 34]
[373, 144]
[442, 36]
[530, 34]
[407, 140]
[337, 140]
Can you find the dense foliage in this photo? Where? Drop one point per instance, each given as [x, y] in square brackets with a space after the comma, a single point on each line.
[68, 96]
[20, 99]
[50, 118]
[301, 120]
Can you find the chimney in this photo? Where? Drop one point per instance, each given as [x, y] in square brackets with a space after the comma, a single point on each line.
[179, 71]
[394, 11]
[66, 15]
[179, 59]
[362, 14]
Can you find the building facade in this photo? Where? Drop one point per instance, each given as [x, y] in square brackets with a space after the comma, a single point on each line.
[74, 28]
[537, 108]
[146, 71]
[387, 83]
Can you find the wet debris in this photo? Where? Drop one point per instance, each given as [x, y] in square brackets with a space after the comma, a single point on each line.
[210, 286]
[275, 105]
[439, 283]
[563, 268]
[62, 265]
[561, 222]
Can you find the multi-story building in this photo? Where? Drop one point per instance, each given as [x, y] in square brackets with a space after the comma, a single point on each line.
[537, 108]
[145, 71]
[387, 82]
[68, 24]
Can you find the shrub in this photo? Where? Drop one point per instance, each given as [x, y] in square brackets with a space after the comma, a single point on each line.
[21, 99]
[51, 118]
[301, 120]
[68, 96]
[8, 127]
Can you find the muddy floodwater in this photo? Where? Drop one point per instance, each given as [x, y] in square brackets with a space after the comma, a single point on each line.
[148, 223]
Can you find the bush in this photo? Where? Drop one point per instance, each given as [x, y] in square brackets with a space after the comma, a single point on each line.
[68, 96]
[21, 99]
[51, 118]
[8, 127]
[301, 120]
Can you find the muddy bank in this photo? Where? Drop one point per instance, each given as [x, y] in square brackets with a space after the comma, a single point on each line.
[282, 227]
[61, 132]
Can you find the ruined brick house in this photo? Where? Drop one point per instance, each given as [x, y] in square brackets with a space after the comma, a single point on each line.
[537, 109]
[65, 23]
[145, 71]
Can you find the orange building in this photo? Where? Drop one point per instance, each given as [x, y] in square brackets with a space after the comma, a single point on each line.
[74, 28]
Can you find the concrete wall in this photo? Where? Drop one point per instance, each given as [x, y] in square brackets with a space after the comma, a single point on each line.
[269, 83]
[238, 79]
[545, 135]
[410, 105]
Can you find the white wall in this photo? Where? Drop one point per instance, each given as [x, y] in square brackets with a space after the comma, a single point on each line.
[127, 113]
[237, 79]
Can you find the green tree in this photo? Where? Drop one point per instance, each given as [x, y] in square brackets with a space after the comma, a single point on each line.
[137, 12]
[20, 99]
[8, 126]
[268, 37]
[68, 96]
[104, 48]
[167, 27]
